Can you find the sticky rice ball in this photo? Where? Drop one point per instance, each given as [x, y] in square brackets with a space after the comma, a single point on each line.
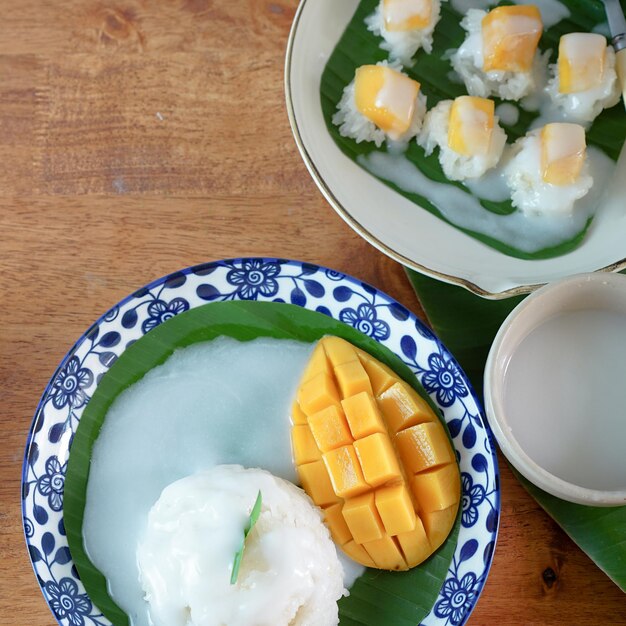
[405, 26]
[499, 56]
[290, 574]
[381, 103]
[584, 81]
[468, 135]
[549, 171]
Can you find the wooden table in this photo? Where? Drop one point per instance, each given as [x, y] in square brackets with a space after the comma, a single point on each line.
[138, 137]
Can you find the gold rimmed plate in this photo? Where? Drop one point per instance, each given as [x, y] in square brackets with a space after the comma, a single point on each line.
[394, 224]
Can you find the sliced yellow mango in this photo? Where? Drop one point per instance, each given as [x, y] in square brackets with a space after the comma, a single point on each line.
[471, 125]
[402, 407]
[388, 477]
[581, 61]
[403, 15]
[510, 37]
[563, 149]
[386, 97]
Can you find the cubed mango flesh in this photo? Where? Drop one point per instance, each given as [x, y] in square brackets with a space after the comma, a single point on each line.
[329, 428]
[402, 407]
[435, 523]
[352, 379]
[315, 481]
[437, 489]
[424, 446]
[298, 416]
[304, 448]
[385, 553]
[318, 393]
[362, 518]
[388, 478]
[345, 472]
[510, 37]
[338, 351]
[396, 509]
[414, 544]
[333, 517]
[358, 553]
[381, 376]
[318, 363]
[378, 459]
[363, 415]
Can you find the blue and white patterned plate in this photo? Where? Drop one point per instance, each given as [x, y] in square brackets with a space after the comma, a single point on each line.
[271, 280]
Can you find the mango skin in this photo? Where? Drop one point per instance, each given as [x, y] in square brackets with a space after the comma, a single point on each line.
[394, 440]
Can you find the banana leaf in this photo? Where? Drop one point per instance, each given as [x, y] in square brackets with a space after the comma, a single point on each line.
[467, 325]
[377, 597]
[358, 46]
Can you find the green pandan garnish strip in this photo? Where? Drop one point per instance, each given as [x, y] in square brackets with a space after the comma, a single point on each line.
[252, 520]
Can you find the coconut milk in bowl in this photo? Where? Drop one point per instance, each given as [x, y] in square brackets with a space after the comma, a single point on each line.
[555, 389]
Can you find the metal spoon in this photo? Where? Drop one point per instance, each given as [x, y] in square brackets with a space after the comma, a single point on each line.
[617, 25]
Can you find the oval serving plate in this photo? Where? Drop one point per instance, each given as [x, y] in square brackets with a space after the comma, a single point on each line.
[394, 224]
[270, 280]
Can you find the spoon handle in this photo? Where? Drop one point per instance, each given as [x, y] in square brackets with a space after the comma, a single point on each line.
[620, 62]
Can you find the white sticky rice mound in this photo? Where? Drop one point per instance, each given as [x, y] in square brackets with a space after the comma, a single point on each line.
[529, 192]
[458, 166]
[585, 106]
[353, 124]
[290, 574]
[467, 61]
[402, 45]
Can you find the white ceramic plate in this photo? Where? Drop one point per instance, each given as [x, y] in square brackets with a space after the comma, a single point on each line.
[395, 225]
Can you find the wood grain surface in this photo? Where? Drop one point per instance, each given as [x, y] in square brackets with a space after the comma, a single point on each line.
[138, 137]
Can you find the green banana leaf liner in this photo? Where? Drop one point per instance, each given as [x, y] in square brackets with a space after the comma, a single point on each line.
[377, 597]
[358, 46]
[467, 324]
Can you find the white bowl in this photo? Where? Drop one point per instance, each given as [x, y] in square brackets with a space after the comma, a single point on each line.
[403, 231]
[266, 280]
[555, 392]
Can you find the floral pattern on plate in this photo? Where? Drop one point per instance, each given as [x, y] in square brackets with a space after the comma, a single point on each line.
[271, 280]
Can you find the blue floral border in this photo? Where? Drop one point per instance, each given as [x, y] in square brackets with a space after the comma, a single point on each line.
[265, 279]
